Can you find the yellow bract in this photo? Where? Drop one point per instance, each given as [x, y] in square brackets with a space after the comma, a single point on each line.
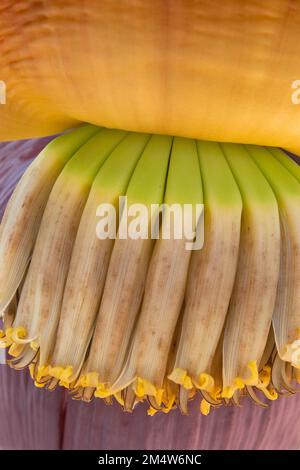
[225, 73]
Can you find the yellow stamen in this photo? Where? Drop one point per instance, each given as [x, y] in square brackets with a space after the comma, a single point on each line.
[91, 379]
[264, 384]
[216, 393]
[180, 376]
[143, 387]
[206, 382]
[39, 385]
[169, 396]
[239, 383]
[169, 404]
[228, 391]
[253, 379]
[6, 338]
[65, 384]
[270, 393]
[159, 396]
[42, 371]
[264, 377]
[192, 393]
[15, 349]
[205, 407]
[19, 333]
[103, 391]
[64, 374]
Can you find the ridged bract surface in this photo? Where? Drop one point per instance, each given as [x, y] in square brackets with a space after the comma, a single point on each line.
[35, 419]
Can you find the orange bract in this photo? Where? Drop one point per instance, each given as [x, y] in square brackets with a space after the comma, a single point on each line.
[211, 70]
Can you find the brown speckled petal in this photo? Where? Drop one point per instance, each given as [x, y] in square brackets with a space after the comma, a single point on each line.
[36, 419]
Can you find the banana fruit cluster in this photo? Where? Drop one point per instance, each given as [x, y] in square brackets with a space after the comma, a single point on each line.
[147, 319]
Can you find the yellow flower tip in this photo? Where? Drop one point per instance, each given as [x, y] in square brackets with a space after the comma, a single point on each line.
[15, 350]
[270, 393]
[168, 401]
[216, 393]
[192, 393]
[264, 384]
[65, 384]
[253, 379]
[140, 399]
[180, 377]
[6, 338]
[91, 379]
[205, 407]
[63, 374]
[103, 391]
[39, 385]
[239, 383]
[13, 338]
[151, 411]
[159, 396]
[42, 371]
[9, 332]
[143, 387]
[19, 333]
[264, 377]
[34, 345]
[229, 390]
[206, 382]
